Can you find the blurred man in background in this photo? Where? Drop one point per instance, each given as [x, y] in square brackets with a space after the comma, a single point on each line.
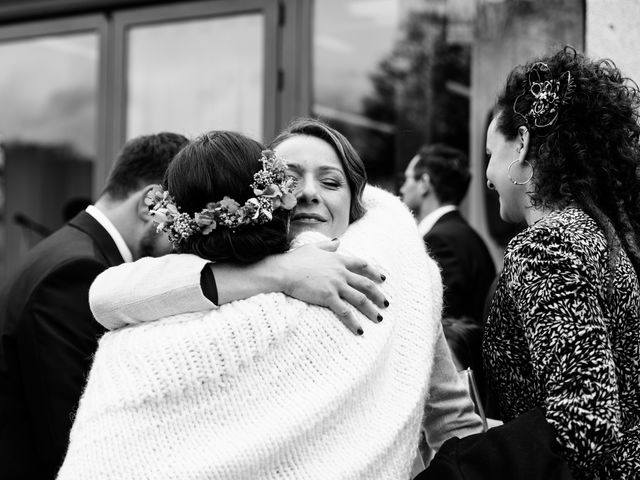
[436, 181]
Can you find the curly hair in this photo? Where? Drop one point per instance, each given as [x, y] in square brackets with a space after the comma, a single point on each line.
[590, 154]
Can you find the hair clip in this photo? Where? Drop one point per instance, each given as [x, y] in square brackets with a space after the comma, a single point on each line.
[548, 95]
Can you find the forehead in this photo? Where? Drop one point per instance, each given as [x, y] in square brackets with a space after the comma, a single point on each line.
[412, 166]
[493, 135]
[308, 152]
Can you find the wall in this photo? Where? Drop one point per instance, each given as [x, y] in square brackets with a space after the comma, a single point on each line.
[613, 31]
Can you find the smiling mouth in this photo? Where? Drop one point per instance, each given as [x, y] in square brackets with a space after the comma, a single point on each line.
[307, 218]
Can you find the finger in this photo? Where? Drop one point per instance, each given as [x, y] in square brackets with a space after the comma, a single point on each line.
[362, 267]
[362, 303]
[344, 313]
[368, 288]
[328, 245]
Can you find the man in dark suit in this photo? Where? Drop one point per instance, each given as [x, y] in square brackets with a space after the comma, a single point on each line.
[47, 333]
[436, 181]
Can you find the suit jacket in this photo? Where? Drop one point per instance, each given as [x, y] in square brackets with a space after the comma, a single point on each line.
[466, 264]
[47, 339]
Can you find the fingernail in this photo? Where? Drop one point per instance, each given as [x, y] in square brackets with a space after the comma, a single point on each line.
[386, 303]
[379, 318]
[383, 277]
[359, 331]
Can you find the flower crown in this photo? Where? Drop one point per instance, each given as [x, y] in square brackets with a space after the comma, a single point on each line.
[273, 190]
[548, 95]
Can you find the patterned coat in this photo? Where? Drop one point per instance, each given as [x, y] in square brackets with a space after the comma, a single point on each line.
[560, 338]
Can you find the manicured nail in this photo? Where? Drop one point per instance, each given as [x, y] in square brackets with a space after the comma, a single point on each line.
[383, 277]
[359, 331]
[386, 303]
[379, 318]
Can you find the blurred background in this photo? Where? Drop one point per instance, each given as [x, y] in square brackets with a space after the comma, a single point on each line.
[79, 77]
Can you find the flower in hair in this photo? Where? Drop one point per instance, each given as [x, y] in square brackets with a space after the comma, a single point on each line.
[271, 185]
[548, 95]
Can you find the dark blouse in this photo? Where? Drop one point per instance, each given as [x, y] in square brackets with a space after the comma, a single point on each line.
[558, 338]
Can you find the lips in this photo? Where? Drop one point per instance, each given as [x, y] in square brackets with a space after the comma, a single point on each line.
[307, 217]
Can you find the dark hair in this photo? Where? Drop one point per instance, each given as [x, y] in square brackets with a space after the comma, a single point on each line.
[142, 161]
[448, 169]
[349, 158]
[213, 166]
[590, 155]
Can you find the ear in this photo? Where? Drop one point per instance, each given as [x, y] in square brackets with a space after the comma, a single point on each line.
[425, 184]
[141, 206]
[523, 147]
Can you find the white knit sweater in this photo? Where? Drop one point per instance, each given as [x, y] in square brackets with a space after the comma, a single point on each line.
[269, 387]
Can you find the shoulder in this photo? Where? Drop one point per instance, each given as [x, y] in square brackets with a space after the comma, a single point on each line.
[454, 231]
[66, 258]
[568, 227]
[566, 239]
[375, 198]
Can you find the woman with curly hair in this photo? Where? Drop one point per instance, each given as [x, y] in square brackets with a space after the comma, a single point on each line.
[563, 333]
[562, 341]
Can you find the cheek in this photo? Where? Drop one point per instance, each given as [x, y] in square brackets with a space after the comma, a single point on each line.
[339, 205]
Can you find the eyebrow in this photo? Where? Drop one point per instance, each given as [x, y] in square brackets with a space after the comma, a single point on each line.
[325, 168]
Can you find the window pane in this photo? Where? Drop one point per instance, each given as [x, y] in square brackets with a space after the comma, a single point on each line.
[393, 75]
[194, 76]
[48, 135]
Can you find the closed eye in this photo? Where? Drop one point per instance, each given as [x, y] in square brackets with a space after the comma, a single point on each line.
[331, 183]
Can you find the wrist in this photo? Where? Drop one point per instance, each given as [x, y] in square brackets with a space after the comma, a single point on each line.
[271, 273]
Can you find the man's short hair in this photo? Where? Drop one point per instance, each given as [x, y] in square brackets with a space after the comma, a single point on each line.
[142, 161]
[448, 169]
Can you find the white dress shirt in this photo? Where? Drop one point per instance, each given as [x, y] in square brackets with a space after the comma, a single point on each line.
[427, 223]
[113, 232]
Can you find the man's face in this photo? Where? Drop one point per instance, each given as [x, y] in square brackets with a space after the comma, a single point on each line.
[412, 190]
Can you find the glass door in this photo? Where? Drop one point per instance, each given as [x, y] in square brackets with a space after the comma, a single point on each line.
[194, 67]
[50, 92]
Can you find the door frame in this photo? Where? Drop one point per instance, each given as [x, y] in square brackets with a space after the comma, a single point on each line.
[126, 19]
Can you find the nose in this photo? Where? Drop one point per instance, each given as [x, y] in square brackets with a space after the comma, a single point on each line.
[490, 185]
[307, 191]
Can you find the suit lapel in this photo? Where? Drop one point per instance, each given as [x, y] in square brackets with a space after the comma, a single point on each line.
[89, 225]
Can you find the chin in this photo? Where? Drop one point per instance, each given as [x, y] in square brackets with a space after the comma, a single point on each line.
[298, 229]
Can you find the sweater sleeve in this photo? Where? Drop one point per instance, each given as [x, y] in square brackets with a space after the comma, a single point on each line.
[449, 412]
[556, 293]
[144, 291]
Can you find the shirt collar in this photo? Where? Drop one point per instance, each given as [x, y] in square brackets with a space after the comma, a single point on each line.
[427, 223]
[113, 232]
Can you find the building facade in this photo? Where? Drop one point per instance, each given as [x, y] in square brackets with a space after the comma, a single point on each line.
[80, 77]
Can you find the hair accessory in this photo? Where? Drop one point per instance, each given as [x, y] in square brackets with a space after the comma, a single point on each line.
[548, 95]
[273, 190]
[515, 182]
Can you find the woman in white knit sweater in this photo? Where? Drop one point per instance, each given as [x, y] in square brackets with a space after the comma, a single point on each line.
[268, 387]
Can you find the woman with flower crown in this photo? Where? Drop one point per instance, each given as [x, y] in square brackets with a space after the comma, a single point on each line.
[267, 387]
[562, 341]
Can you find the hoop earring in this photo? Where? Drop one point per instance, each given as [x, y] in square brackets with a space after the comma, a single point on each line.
[515, 182]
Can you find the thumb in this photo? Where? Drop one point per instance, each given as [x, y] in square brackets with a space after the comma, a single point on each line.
[329, 245]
